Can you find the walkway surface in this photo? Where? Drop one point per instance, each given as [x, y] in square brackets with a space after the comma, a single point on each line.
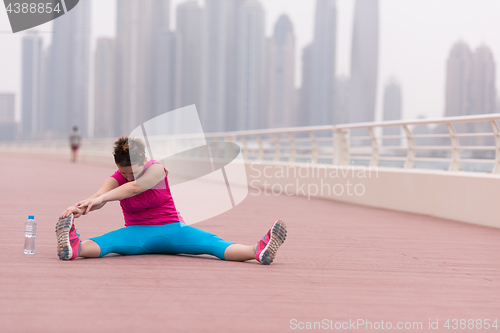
[340, 263]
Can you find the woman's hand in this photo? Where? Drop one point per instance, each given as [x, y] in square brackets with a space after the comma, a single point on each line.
[89, 204]
[77, 212]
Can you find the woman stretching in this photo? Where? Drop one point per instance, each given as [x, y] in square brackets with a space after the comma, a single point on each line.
[152, 223]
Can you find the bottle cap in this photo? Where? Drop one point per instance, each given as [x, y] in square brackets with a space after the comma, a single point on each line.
[31, 217]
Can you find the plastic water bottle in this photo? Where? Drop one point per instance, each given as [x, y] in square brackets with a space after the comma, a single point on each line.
[29, 235]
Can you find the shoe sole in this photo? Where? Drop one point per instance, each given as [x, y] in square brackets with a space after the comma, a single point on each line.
[278, 236]
[63, 226]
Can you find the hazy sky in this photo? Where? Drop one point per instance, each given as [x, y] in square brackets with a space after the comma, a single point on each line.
[415, 39]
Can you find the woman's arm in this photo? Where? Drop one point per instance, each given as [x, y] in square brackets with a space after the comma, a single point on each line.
[77, 210]
[153, 175]
[109, 184]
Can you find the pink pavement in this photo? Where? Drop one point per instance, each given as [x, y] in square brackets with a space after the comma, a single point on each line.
[340, 262]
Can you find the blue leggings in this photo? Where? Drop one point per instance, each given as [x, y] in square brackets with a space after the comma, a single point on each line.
[172, 238]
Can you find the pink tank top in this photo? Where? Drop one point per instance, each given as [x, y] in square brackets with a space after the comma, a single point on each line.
[152, 207]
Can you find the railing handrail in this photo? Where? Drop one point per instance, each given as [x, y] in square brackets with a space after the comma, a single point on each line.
[281, 144]
[426, 121]
[305, 129]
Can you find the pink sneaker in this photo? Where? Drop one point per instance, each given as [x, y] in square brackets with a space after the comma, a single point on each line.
[68, 241]
[269, 244]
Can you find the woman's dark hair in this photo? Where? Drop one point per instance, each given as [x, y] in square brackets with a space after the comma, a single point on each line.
[128, 151]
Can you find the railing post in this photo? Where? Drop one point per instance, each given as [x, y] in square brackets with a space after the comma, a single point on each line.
[455, 148]
[341, 154]
[375, 148]
[293, 148]
[228, 138]
[496, 132]
[260, 157]
[410, 154]
[276, 147]
[245, 147]
[314, 157]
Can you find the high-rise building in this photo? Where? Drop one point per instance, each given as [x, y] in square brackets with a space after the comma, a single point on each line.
[160, 15]
[252, 64]
[189, 31]
[8, 125]
[483, 91]
[163, 61]
[251, 111]
[305, 93]
[105, 114]
[133, 52]
[324, 53]
[458, 81]
[45, 94]
[364, 61]
[221, 43]
[140, 24]
[163, 88]
[341, 104]
[282, 97]
[470, 88]
[215, 56]
[392, 110]
[32, 58]
[69, 72]
[232, 65]
[7, 107]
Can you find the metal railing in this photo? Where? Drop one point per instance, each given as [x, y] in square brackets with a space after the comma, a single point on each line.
[450, 144]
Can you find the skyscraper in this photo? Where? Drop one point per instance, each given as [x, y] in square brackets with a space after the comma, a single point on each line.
[305, 93]
[8, 125]
[458, 89]
[105, 115]
[140, 24]
[45, 97]
[364, 61]
[69, 72]
[232, 65]
[470, 88]
[160, 15]
[190, 37]
[458, 81]
[221, 42]
[7, 107]
[392, 110]
[215, 56]
[133, 45]
[324, 53]
[32, 59]
[282, 94]
[164, 69]
[163, 61]
[251, 67]
[341, 103]
[483, 91]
